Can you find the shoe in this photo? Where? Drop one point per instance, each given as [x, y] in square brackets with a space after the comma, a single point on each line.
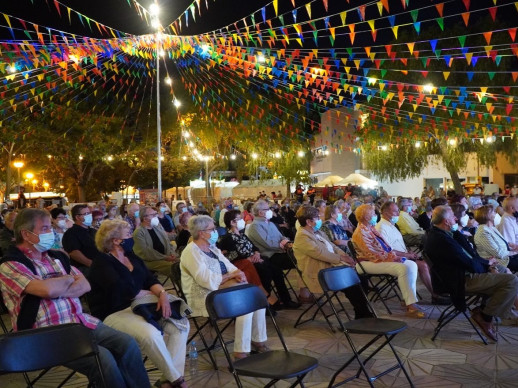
[415, 313]
[441, 300]
[306, 299]
[290, 305]
[259, 347]
[487, 327]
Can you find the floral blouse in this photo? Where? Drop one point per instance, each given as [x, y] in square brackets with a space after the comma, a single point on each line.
[236, 246]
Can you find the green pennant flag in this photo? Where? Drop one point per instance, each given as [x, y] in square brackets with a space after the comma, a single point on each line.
[462, 40]
[440, 22]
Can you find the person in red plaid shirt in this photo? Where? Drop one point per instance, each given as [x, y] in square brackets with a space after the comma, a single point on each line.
[33, 275]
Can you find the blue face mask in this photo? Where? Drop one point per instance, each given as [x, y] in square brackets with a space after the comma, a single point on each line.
[454, 227]
[339, 217]
[374, 220]
[137, 214]
[394, 219]
[213, 237]
[317, 225]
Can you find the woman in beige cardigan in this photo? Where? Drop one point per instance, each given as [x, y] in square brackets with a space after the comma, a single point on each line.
[314, 252]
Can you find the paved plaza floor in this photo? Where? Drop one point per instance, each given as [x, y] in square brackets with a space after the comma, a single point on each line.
[457, 358]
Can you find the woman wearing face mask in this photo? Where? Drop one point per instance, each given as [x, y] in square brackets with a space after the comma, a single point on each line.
[165, 219]
[377, 258]
[244, 255]
[490, 242]
[331, 227]
[119, 277]
[152, 243]
[314, 252]
[205, 269]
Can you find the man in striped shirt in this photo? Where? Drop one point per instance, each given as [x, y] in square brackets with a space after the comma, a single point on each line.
[30, 271]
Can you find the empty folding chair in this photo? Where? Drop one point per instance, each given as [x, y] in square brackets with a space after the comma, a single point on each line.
[340, 278]
[274, 364]
[46, 347]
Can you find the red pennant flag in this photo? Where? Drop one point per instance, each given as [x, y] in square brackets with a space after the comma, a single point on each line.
[492, 11]
[466, 4]
[439, 8]
[56, 3]
[465, 16]
[512, 33]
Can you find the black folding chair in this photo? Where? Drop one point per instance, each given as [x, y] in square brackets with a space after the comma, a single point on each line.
[453, 310]
[275, 365]
[381, 287]
[46, 347]
[340, 278]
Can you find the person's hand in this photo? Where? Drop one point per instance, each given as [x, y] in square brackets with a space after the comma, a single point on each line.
[493, 262]
[137, 222]
[172, 258]
[239, 276]
[346, 259]
[163, 303]
[513, 247]
[472, 223]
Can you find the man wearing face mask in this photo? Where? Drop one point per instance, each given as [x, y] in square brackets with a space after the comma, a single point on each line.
[40, 288]
[133, 216]
[272, 245]
[413, 234]
[462, 270]
[78, 241]
[59, 226]
[386, 227]
[152, 243]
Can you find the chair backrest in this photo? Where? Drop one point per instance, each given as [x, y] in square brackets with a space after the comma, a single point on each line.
[337, 278]
[352, 249]
[176, 278]
[235, 301]
[45, 347]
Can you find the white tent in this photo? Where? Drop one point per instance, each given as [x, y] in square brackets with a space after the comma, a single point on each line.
[357, 179]
[331, 180]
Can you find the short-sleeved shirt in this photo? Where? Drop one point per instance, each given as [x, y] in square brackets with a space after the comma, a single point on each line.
[80, 239]
[335, 232]
[14, 278]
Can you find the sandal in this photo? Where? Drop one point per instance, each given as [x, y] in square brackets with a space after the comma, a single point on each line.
[240, 355]
[260, 347]
[179, 383]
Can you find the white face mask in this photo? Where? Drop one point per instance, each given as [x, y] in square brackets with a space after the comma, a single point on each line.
[241, 224]
[62, 224]
[464, 220]
[268, 215]
[154, 221]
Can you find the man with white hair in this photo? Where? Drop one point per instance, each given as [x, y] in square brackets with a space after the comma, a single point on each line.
[508, 226]
[413, 234]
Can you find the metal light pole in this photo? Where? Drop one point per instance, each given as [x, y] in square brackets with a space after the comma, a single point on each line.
[154, 10]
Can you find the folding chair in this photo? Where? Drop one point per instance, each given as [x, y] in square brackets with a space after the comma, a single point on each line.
[340, 278]
[275, 365]
[455, 308]
[382, 286]
[176, 278]
[46, 347]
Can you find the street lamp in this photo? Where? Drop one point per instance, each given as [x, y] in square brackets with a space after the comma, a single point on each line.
[18, 164]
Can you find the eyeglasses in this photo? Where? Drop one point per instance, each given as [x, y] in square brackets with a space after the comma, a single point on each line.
[208, 230]
[85, 214]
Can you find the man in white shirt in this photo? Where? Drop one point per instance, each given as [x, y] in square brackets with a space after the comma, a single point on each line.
[508, 225]
[389, 232]
[413, 234]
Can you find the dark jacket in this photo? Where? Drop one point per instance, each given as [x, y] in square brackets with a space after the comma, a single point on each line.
[453, 258]
[114, 286]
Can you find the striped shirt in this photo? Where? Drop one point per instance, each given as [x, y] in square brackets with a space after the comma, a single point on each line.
[14, 278]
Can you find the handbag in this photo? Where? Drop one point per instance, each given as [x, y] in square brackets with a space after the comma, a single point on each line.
[145, 306]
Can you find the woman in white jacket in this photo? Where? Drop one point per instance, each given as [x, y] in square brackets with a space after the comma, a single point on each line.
[490, 242]
[205, 269]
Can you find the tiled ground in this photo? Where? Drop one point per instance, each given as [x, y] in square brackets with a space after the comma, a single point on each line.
[457, 358]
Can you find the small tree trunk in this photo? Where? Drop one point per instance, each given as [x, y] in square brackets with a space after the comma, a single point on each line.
[81, 197]
[454, 173]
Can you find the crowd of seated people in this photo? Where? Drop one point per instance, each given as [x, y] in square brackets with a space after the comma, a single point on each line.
[472, 241]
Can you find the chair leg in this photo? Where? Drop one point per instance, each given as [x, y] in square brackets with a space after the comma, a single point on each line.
[319, 307]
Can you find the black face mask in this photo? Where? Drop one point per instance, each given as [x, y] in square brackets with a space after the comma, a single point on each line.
[127, 244]
[515, 214]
